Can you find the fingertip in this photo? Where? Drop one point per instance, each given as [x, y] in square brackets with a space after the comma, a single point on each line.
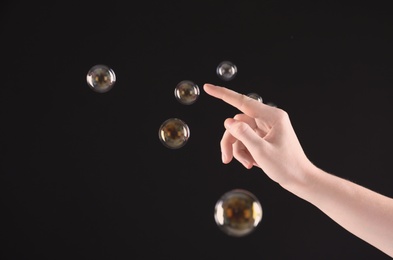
[207, 86]
[225, 159]
[248, 165]
[228, 122]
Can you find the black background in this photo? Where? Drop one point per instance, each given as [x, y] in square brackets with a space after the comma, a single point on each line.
[84, 175]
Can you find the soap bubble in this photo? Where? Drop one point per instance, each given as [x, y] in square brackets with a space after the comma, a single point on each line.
[271, 104]
[226, 70]
[101, 78]
[255, 96]
[238, 212]
[187, 92]
[174, 133]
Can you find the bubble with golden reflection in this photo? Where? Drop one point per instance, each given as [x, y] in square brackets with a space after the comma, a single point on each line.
[187, 92]
[174, 133]
[238, 212]
[101, 78]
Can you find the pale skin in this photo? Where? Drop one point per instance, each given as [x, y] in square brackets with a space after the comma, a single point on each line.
[262, 136]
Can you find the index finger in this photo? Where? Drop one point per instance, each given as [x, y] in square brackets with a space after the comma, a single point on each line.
[247, 105]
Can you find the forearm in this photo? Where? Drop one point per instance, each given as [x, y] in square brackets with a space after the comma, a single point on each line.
[362, 212]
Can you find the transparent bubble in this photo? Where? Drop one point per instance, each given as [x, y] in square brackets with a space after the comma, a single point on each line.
[238, 212]
[101, 78]
[174, 133]
[226, 70]
[187, 92]
[255, 96]
[271, 104]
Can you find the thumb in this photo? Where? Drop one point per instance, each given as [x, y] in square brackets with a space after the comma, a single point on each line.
[245, 134]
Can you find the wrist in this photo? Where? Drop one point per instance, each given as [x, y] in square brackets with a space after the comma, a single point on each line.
[305, 181]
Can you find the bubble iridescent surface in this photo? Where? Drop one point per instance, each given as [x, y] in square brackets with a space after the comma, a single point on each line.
[187, 92]
[255, 96]
[238, 212]
[174, 133]
[226, 70]
[101, 78]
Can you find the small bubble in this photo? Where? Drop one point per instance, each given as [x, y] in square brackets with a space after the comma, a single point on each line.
[271, 104]
[187, 92]
[238, 212]
[101, 78]
[226, 70]
[174, 133]
[255, 96]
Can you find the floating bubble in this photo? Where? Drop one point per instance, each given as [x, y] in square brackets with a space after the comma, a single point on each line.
[271, 104]
[238, 212]
[226, 70]
[101, 78]
[256, 97]
[174, 133]
[187, 92]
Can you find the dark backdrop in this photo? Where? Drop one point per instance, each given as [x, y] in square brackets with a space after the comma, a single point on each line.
[84, 175]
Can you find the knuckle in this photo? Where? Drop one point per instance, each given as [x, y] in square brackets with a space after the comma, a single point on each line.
[244, 100]
[282, 115]
[239, 128]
